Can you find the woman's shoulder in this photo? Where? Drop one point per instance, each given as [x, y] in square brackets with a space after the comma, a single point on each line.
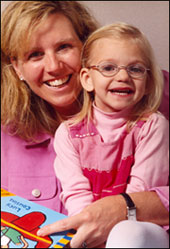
[7, 137]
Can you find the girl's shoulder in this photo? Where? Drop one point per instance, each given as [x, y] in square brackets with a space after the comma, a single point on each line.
[157, 118]
[155, 123]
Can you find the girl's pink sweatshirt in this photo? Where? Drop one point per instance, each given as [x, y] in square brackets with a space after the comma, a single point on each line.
[149, 172]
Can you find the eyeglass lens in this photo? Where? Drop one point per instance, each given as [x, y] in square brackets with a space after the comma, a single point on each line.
[110, 69]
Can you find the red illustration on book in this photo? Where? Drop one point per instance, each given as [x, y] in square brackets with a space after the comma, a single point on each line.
[25, 227]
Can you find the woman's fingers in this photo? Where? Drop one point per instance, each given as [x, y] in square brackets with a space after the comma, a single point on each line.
[61, 225]
[92, 224]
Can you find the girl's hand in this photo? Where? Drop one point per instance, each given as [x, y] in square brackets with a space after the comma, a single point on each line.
[93, 224]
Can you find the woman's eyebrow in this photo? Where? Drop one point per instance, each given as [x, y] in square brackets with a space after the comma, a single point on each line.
[31, 50]
[72, 40]
[37, 48]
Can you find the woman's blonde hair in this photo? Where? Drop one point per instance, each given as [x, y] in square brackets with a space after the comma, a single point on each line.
[152, 99]
[22, 112]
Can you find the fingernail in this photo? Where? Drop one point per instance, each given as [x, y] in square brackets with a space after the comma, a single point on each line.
[39, 233]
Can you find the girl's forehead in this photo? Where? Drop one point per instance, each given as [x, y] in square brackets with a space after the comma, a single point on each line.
[117, 45]
[105, 41]
[122, 50]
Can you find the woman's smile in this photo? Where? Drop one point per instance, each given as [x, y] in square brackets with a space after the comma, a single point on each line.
[52, 63]
[58, 82]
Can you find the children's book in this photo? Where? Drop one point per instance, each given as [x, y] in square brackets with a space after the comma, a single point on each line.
[21, 219]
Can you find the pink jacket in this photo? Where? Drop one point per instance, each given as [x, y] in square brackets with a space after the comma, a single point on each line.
[27, 170]
[150, 169]
[117, 157]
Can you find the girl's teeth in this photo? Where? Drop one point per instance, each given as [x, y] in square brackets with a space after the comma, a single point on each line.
[121, 93]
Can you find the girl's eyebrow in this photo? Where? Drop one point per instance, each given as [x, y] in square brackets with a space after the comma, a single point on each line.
[135, 61]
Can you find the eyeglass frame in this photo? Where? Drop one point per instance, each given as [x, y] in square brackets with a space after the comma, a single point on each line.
[118, 68]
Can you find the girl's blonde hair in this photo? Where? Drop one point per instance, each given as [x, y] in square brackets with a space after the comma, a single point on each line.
[22, 112]
[152, 99]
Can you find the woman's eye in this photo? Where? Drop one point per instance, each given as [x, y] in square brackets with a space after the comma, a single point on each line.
[64, 46]
[35, 55]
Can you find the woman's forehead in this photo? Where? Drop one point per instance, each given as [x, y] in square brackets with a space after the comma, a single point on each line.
[56, 28]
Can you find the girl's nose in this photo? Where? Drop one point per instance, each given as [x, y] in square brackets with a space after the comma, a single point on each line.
[122, 75]
[52, 63]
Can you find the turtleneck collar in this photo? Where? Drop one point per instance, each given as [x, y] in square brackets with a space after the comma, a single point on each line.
[119, 117]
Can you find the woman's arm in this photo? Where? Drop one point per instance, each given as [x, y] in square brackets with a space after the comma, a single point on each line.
[150, 208]
[94, 223]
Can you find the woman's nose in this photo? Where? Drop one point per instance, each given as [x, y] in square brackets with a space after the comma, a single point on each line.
[52, 63]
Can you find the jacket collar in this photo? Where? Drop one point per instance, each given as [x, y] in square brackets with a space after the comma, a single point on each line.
[42, 140]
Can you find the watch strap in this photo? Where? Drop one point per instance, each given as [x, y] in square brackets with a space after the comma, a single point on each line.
[131, 208]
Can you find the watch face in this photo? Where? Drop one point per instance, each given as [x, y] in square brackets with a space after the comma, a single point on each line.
[131, 215]
[131, 208]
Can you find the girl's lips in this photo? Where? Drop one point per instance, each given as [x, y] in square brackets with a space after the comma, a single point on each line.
[59, 82]
[122, 90]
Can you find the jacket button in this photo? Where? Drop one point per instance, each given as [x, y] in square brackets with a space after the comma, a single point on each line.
[36, 193]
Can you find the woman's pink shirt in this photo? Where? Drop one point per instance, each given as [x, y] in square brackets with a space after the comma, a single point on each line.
[27, 170]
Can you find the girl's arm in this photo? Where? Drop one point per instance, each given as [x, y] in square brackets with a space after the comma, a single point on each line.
[76, 192]
[151, 166]
[95, 221]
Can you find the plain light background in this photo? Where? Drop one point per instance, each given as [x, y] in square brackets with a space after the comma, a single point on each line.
[151, 17]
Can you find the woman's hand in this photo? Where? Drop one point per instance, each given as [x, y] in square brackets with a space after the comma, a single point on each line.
[93, 224]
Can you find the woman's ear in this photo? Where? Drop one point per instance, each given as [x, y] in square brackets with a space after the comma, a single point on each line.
[86, 80]
[15, 65]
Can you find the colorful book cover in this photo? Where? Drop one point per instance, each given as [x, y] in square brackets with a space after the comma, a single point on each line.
[21, 219]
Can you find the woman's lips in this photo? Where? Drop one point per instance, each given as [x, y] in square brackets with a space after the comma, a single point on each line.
[59, 82]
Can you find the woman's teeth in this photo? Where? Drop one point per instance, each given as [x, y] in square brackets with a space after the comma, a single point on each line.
[57, 82]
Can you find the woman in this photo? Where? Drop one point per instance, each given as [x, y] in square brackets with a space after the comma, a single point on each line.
[40, 52]
[40, 64]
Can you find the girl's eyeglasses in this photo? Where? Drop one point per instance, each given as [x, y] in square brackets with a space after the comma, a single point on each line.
[109, 69]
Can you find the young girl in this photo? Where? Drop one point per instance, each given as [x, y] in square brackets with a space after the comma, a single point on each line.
[118, 142]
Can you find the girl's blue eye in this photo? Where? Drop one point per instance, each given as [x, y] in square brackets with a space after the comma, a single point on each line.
[136, 69]
[108, 68]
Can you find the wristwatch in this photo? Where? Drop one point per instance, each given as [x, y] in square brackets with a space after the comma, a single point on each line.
[131, 208]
